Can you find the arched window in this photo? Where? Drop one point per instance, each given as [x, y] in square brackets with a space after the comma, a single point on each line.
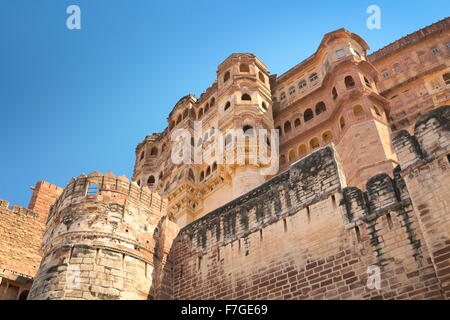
[161, 174]
[282, 159]
[226, 76]
[367, 82]
[151, 181]
[228, 139]
[138, 183]
[202, 176]
[282, 96]
[227, 106]
[334, 93]
[302, 150]
[313, 77]
[446, 78]
[191, 175]
[212, 103]
[208, 171]
[358, 110]
[207, 108]
[200, 113]
[264, 106]
[342, 122]
[243, 67]
[291, 155]
[179, 119]
[327, 137]
[297, 123]
[214, 167]
[302, 85]
[287, 127]
[320, 107]
[377, 112]
[261, 77]
[349, 82]
[308, 115]
[291, 91]
[154, 151]
[246, 97]
[314, 143]
[248, 130]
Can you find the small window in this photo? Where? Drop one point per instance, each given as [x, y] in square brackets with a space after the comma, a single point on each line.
[214, 166]
[320, 107]
[349, 82]
[227, 106]
[287, 127]
[327, 137]
[208, 171]
[212, 103]
[358, 110]
[397, 68]
[291, 91]
[385, 75]
[313, 77]
[314, 143]
[226, 76]
[264, 106]
[435, 50]
[342, 123]
[200, 113]
[151, 181]
[302, 84]
[447, 45]
[297, 123]
[261, 77]
[291, 155]
[154, 151]
[340, 53]
[248, 130]
[228, 139]
[207, 108]
[243, 67]
[334, 93]
[282, 97]
[246, 97]
[191, 175]
[302, 150]
[308, 115]
[93, 188]
[367, 82]
[202, 176]
[377, 112]
[446, 78]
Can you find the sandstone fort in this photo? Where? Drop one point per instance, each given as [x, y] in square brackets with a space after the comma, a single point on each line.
[362, 187]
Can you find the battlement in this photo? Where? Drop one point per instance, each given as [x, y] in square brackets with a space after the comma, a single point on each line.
[309, 180]
[431, 139]
[109, 189]
[16, 209]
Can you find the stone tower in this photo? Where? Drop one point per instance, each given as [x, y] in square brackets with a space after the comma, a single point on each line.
[219, 166]
[106, 238]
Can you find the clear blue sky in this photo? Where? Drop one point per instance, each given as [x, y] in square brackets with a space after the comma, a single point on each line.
[77, 101]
